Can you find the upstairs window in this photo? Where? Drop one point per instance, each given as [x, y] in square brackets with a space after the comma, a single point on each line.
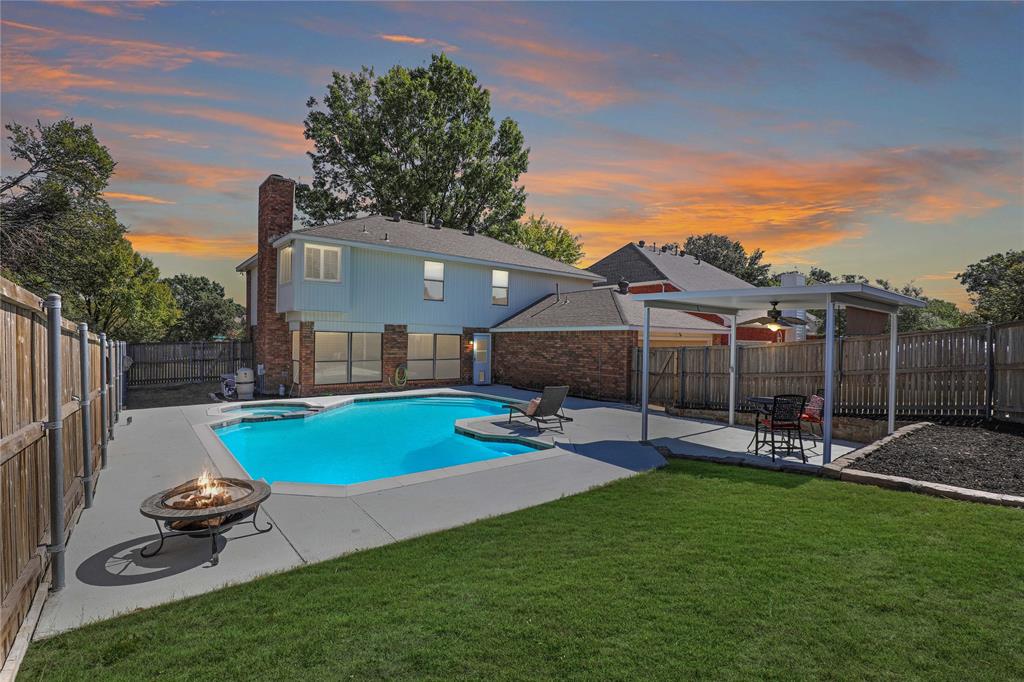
[284, 265]
[323, 263]
[433, 281]
[499, 287]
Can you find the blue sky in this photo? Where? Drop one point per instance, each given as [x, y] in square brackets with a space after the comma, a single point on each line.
[883, 139]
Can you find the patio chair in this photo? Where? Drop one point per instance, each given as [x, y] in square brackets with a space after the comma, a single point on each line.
[812, 416]
[784, 420]
[547, 411]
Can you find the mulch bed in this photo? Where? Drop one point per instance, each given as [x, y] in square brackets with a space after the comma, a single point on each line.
[968, 457]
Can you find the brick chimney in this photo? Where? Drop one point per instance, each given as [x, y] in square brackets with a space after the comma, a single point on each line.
[272, 340]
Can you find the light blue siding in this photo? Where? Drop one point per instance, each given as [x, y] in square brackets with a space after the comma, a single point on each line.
[381, 287]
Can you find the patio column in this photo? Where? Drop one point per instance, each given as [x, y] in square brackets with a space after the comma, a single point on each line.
[830, 342]
[893, 351]
[645, 378]
[732, 371]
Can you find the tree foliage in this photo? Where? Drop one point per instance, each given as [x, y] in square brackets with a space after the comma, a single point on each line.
[60, 235]
[63, 170]
[205, 312]
[996, 286]
[937, 313]
[543, 236]
[729, 255]
[420, 141]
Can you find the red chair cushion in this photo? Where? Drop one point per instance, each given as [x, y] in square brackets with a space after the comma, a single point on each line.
[811, 418]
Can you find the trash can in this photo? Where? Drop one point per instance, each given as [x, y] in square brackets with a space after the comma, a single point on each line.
[244, 383]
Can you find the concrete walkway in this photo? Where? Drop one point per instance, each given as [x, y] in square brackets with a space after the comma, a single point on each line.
[107, 576]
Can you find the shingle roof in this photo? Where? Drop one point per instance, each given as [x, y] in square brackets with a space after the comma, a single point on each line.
[407, 234]
[601, 307]
[641, 264]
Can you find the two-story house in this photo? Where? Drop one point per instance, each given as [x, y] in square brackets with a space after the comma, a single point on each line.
[341, 308]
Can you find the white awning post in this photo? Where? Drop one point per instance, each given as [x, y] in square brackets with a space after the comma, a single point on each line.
[732, 371]
[893, 357]
[645, 369]
[830, 343]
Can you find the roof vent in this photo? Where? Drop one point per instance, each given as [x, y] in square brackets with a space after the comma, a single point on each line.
[386, 237]
[397, 216]
[682, 254]
[471, 230]
[664, 248]
[438, 224]
[623, 286]
[641, 243]
[424, 216]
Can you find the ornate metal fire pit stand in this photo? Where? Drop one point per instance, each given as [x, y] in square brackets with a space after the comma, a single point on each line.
[202, 522]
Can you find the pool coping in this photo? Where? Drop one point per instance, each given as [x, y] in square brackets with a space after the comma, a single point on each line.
[227, 465]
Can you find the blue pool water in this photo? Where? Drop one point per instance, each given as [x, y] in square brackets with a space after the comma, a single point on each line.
[365, 441]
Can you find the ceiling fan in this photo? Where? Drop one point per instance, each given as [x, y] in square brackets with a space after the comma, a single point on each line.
[775, 320]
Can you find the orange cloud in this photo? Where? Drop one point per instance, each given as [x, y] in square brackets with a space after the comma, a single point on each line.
[141, 198]
[619, 189]
[106, 9]
[168, 171]
[25, 73]
[283, 135]
[415, 40]
[195, 246]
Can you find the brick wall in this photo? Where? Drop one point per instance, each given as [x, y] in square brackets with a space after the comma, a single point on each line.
[248, 305]
[593, 364]
[272, 340]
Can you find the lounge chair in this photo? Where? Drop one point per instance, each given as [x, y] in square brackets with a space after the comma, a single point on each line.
[547, 411]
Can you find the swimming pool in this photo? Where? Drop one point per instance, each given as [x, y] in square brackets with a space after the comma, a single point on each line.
[365, 441]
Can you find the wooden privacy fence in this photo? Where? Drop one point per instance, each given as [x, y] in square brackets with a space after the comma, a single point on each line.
[973, 371]
[88, 410]
[188, 361]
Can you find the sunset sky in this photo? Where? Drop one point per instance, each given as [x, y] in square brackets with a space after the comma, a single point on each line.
[882, 139]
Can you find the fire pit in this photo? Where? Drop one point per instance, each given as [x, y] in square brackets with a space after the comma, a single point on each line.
[205, 507]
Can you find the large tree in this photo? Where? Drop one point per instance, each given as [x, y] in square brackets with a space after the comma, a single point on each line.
[996, 286]
[62, 170]
[205, 312]
[60, 235]
[542, 236]
[421, 141]
[730, 255]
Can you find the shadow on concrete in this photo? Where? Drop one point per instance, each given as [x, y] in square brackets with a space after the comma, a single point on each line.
[625, 454]
[123, 563]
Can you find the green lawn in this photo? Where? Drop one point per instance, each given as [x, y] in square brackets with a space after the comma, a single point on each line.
[697, 570]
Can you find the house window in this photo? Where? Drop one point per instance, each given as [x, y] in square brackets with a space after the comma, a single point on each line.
[296, 377]
[434, 356]
[322, 263]
[499, 287]
[433, 281]
[343, 357]
[284, 265]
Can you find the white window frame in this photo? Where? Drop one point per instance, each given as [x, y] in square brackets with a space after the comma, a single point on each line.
[507, 288]
[433, 359]
[427, 279]
[284, 258]
[319, 250]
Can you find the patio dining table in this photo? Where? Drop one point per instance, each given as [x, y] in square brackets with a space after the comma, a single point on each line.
[763, 405]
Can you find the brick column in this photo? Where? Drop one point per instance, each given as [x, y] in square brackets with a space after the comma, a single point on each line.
[395, 342]
[272, 341]
[307, 358]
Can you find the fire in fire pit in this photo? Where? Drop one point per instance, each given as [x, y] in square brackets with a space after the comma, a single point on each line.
[208, 492]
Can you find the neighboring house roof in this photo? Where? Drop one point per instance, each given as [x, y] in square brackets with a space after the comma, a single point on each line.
[415, 236]
[642, 264]
[601, 307]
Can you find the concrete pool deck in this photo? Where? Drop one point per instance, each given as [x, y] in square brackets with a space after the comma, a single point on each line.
[106, 575]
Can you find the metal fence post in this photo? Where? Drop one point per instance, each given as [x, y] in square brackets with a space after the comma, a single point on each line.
[55, 426]
[123, 353]
[83, 346]
[990, 375]
[104, 415]
[111, 400]
[115, 378]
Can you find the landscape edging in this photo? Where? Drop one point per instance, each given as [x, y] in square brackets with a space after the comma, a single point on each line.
[842, 469]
